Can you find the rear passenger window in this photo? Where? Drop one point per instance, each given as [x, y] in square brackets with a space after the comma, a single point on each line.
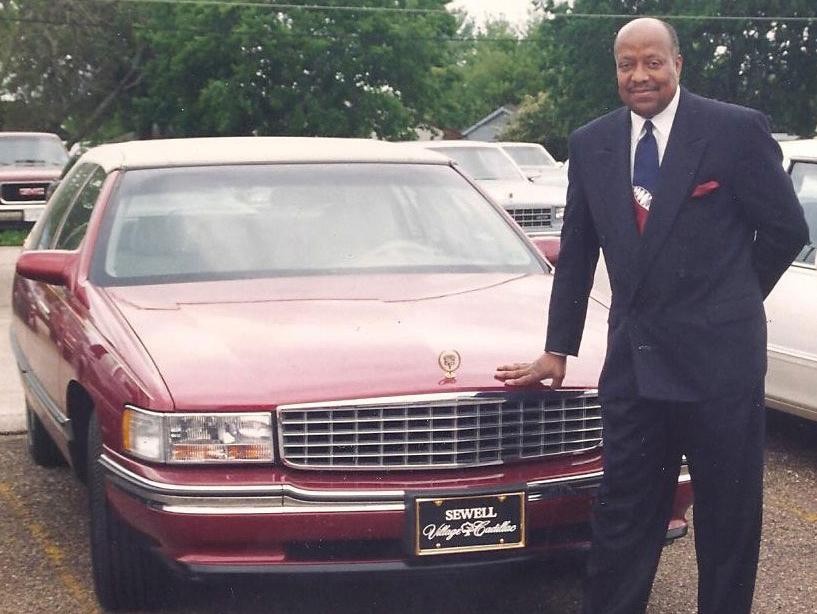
[76, 221]
[43, 234]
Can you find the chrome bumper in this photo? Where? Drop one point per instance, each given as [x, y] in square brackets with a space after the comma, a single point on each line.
[288, 499]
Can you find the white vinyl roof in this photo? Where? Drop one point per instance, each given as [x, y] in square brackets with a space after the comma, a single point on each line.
[802, 149]
[253, 150]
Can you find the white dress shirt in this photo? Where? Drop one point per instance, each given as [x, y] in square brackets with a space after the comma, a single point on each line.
[662, 124]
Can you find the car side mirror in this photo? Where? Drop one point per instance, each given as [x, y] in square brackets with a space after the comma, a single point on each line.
[55, 267]
[548, 246]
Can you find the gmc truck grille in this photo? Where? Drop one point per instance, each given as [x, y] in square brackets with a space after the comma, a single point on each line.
[24, 193]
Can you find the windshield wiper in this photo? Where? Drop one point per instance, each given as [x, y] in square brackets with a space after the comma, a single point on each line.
[29, 161]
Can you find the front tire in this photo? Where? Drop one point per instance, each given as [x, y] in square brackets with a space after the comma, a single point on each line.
[41, 447]
[127, 575]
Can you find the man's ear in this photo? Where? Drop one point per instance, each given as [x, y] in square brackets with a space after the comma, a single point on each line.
[679, 63]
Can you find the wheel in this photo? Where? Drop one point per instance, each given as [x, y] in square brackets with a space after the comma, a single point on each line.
[41, 447]
[127, 575]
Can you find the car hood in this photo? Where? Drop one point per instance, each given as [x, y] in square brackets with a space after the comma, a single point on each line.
[253, 343]
[510, 193]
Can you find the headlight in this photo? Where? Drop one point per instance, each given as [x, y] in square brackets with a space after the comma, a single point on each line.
[197, 437]
[559, 213]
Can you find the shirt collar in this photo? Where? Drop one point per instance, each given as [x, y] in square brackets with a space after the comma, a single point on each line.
[661, 122]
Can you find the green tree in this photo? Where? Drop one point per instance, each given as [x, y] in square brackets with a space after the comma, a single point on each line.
[64, 64]
[767, 64]
[488, 67]
[246, 70]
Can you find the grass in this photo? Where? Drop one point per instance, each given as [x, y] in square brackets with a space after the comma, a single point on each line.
[13, 236]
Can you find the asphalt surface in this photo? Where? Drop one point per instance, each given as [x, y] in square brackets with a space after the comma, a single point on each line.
[45, 565]
[12, 414]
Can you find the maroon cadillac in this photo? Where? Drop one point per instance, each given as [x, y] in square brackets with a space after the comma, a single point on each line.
[29, 162]
[276, 355]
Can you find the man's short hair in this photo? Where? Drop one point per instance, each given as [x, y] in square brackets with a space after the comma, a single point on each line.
[673, 37]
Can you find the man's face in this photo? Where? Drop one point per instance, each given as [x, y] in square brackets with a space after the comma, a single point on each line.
[646, 67]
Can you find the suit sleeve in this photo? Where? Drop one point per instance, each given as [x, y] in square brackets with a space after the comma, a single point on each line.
[578, 255]
[765, 191]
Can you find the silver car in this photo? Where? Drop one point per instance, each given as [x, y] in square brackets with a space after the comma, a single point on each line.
[538, 209]
[536, 162]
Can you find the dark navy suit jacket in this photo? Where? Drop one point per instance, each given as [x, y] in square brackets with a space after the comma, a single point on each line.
[686, 318]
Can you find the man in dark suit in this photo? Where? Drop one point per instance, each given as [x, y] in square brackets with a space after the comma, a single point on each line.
[697, 220]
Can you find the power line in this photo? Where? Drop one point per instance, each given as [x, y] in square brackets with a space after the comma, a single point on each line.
[776, 18]
[287, 7]
[283, 33]
[388, 9]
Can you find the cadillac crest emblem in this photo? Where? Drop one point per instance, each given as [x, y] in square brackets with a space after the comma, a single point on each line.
[449, 361]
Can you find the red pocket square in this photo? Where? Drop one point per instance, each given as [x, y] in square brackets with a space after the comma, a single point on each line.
[705, 188]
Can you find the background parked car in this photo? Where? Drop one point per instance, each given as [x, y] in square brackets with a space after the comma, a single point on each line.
[538, 209]
[29, 162]
[536, 162]
[277, 355]
[791, 308]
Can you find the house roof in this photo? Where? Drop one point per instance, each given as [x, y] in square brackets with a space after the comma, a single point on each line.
[503, 110]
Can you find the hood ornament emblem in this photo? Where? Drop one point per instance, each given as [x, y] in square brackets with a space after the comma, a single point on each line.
[449, 361]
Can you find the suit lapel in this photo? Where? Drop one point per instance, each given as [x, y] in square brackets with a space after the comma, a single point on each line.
[682, 156]
[617, 191]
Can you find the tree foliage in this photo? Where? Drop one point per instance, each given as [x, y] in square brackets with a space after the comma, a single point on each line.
[244, 70]
[64, 63]
[767, 64]
[488, 67]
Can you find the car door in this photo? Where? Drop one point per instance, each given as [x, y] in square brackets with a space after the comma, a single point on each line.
[39, 327]
[791, 309]
[72, 312]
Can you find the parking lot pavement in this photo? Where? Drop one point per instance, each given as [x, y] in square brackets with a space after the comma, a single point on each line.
[45, 566]
[12, 412]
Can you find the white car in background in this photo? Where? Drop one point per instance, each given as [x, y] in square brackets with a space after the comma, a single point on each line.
[538, 209]
[536, 162]
[791, 308]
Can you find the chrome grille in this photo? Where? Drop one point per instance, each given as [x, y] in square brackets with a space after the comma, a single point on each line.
[534, 218]
[421, 432]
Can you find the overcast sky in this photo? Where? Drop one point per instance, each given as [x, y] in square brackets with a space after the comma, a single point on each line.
[515, 11]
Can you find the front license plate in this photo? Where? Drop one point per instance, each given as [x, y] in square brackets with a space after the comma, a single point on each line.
[446, 525]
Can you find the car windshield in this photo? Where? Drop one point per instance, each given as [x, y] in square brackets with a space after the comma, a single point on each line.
[530, 155]
[484, 163]
[229, 222]
[34, 150]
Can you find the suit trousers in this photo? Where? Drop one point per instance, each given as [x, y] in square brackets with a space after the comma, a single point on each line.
[723, 440]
